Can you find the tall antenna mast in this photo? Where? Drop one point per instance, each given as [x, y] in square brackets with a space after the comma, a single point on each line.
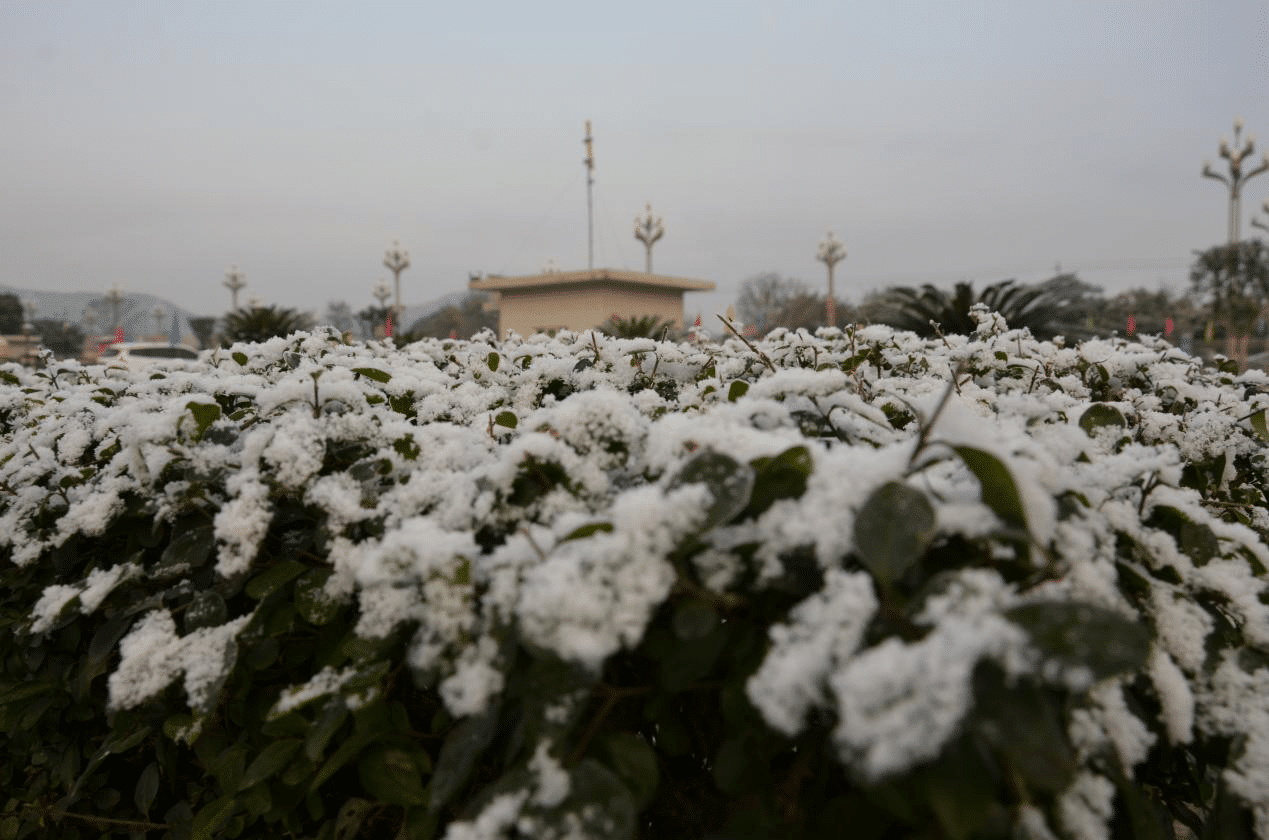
[590, 213]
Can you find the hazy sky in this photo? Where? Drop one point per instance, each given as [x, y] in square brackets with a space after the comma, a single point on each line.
[153, 143]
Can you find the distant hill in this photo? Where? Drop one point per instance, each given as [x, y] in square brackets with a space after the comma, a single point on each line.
[136, 312]
[137, 308]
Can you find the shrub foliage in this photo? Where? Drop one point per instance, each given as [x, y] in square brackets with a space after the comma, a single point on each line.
[581, 586]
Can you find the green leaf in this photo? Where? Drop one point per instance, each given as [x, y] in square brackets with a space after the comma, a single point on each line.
[100, 652]
[893, 529]
[960, 791]
[492, 360]
[373, 373]
[277, 576]
[190, 547]
[206, 609]
[270, 761]
[738, 766]
[204, 415]
[587, 530]
[1260, 425]
[781, 477]
[310, 598]
[999, 491]
[348, 749]
[604, 805]
[352, 814]
[9, 378]
[324, 728]
[729, 482]
[691, 659]
[147, 788]
[463, 747]
[737, 390]
[1199, 542]
[389, 774]
[1077, 635]
[212, 817]
[635, 762]
[506, 419]
[1023, 724]
[241, 358]
[694, 618]
[1101, 416]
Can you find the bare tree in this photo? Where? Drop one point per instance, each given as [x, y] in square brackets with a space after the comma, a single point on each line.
[764, 296]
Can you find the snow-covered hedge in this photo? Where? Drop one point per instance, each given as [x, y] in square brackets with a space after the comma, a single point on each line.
[588, 587]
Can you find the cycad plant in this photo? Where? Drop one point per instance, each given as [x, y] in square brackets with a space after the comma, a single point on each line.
[260, 323]
[638, 326]
[1034, 307]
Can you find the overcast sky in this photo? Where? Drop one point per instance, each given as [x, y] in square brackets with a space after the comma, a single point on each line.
[155, 143]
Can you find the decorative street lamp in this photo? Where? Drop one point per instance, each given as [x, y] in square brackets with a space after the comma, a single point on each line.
[1236, 177]
[648, 229]
[114, 297]
[382, 293]
[234, 280]
[397, 260]
[1259, 224]
[832, 251]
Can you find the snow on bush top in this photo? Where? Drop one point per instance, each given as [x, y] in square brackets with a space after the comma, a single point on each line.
[545, 483]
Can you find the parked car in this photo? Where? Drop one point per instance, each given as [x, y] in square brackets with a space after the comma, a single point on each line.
[135, 355]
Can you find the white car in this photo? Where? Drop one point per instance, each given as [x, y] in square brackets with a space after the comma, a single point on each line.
[135, 355]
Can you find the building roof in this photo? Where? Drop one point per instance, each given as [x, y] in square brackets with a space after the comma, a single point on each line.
[496, 283]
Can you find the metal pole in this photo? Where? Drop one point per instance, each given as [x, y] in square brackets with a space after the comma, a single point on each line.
[397, 260]
[590, 214]
[831, 253]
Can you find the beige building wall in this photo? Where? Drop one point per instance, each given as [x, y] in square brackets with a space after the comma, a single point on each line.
[583, 306]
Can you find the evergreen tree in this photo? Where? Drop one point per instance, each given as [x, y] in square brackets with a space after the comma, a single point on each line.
[1232, 283]
[11, 314]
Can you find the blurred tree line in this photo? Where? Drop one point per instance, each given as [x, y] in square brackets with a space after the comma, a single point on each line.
[1228, 294]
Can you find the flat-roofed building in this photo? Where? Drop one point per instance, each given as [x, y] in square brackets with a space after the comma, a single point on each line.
[579, 300]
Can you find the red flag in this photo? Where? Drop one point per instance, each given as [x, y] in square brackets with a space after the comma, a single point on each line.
[1132, 325]
[697, 322]
[119, 335]
[1167, 327]
[387, 327]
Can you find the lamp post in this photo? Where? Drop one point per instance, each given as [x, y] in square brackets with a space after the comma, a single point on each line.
[234, 280]
[29, 308]
[382, 293]
[1237, 177]
[397, 260]
[589, 163]
[832, 251]
[648, 229]
[1259, 224]
[114, 297]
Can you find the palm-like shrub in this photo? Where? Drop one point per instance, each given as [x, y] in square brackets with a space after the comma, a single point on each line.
[260, 323]
[638, 326]
[1035, 307]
